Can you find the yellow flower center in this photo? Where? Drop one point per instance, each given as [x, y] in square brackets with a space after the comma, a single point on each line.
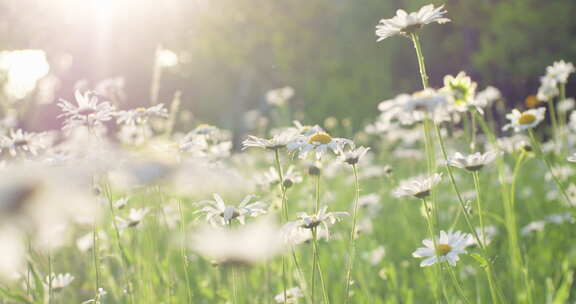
[443, 249]
[140, 110]
[320, 138]
[526, 118]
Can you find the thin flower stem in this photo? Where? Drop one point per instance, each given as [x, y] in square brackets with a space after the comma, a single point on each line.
[562, 116]
[281, 183]
[95, 257]
[50, 278]
[476, 177]
[463, 207]
[540, 153]
[553, 118]
[124, 257]
[183, 251]
[233, 272]
[430, 226]
[458, 285]
[421, 64]
[352, 236]
[318, 266]
[516, 255]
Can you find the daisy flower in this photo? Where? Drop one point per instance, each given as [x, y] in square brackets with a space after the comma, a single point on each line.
[572, 158]
[292, 296]
[220, 214]
[134, 218]
[319, 143]
[461, 90]
[548, 88]
[404, 23]
[487, 97]
[409, 109]
[472, 162]
[271, 178]
[58, 282]
[521, 121]
[87, 111]
[560, 71]
[448, 246]
[140, 116]
[277, 141]
[419, 187]
[27, 143]
[353, 156]
[305, 221]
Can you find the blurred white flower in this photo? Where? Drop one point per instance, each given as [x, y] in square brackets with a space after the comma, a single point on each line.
[404, 23]
[566, 105]
[292, 296]
[520, 121]
[533, 227]
[134, 218]
[253, 243]
[487, 97]
[448, 246]
[23, 69]
[279, 97]
[22, 143]
[166, 58]
[59, 281]
[375, 256]
[560, 71]
[548, 89]
[13, 257]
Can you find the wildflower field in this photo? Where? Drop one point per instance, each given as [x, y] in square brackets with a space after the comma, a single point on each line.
[449, 194]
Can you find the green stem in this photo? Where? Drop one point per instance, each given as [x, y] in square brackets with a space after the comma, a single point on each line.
[318, 266]
[463, 205]
[540, 153]
[457, 285]
[352, 236]
[183, 251]
[50, 278]
[555, 133]
[421, 63]
[95, 257]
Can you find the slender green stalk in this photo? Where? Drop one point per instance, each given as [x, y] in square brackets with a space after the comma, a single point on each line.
[480, 210]
[183, 251]
[464, 211]
[319, 266]
[95, 257]
[352, 246]
[553, 118]
[540, 153]
[458, 285]
[421, 64]
[430, 225]
[50, 278]
[562, 116]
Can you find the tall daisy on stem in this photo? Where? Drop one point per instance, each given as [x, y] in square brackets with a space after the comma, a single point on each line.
[407, 25]
[526, 121]
[352, 158]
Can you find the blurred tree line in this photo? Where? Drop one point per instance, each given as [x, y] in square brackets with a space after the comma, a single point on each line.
[233, 51]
